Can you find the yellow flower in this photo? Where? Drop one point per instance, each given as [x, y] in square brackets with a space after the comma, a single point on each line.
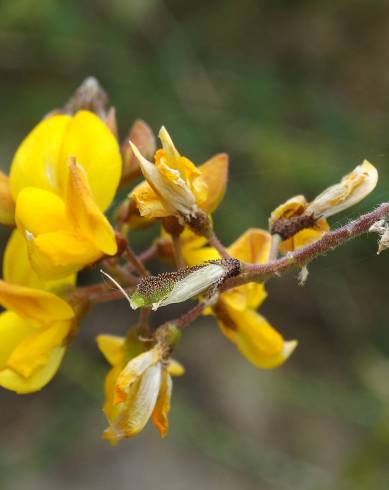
[138, 387]
[34, 328]
[174, 186]
[352, 188]
[63, 176]
[236, 311]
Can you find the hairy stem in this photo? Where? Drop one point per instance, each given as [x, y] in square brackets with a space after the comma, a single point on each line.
[304, 255]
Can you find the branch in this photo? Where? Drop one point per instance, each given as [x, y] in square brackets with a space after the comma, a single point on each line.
[304, 255]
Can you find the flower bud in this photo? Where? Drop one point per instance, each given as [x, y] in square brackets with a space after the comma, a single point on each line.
[353, 187]
[89, 96]
[176, 287]
[143, 138]
[7, 204]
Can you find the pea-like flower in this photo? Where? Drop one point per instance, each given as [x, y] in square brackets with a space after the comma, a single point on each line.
[174, 186]
[36, 324]
[63, 176]
[300, 222]
[236, 308]
[138, 387]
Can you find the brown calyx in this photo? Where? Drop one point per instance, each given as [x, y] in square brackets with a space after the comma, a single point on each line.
[287, 227]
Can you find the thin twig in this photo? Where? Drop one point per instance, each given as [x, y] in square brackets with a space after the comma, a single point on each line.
[180, 262]
[191, 315]
[149, 253]
[304, 255]
[135, 261]
[216, 243]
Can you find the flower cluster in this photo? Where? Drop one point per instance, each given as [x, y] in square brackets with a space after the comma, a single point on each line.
[64, 177]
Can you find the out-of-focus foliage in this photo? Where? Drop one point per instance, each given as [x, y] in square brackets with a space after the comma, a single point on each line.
[297, 94]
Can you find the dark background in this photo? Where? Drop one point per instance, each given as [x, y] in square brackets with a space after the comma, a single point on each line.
[297, 92]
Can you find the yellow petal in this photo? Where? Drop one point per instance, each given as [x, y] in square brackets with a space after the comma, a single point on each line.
[112, 348]
[175, 368]
[34, 351]
[198, 256]
[353, 187]
[92, 144]
[84, 213]
[148, 202]
[214, 173]
[58, 254]
[249, 295]
[7, 204]
[39, 211]
[252, 247]
[256, 339]
[13, 329]
[34, 304]
[292, 207]
[110, 409]
[169, 150]
[17, 268]
[162, 406]
[11, 380]
[305, 237]
[35, 163]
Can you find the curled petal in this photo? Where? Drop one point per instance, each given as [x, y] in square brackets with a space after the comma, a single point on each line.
[134, 413]
[84, 213]
[162, 406]
[353, 187]
[292, 207]
[133, 370]
[148, 202]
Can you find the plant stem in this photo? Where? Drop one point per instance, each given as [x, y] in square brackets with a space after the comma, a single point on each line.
[135, 261]
[216, 243]
[304, 255]
[191, 315]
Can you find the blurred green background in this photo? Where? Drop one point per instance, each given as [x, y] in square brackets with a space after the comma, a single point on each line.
[297, 92]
